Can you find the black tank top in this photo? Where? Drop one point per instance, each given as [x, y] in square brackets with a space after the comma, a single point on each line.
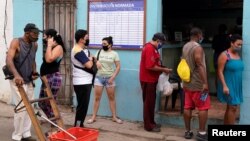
[49, 68]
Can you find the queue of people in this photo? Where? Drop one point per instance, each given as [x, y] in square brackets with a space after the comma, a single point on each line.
[21, 61]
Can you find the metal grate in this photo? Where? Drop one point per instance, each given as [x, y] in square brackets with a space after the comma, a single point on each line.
[60, 15]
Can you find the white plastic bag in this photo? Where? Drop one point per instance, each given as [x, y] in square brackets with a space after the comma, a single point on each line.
[161, 81]
[167, 89]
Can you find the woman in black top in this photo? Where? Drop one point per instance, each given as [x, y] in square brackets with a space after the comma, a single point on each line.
[50, 67]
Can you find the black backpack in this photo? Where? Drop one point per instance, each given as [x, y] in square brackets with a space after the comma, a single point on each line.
[93, 70]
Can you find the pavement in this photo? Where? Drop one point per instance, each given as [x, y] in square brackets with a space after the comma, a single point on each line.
[108, 130]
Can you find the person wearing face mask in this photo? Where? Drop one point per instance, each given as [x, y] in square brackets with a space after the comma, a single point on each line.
[196, 91]
[50, 68]
[82, 80]
[105, 77]
[21, 62]
[230, 67]
[150, 70]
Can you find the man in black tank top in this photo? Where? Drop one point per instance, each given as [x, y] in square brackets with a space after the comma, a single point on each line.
[21, 62]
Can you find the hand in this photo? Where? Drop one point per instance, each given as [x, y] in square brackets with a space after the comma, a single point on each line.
[99, 65]
[205, 88]
[225, 90]
[167, 70]
[34, 76]
[18, 80]
[110, 81]
[51, 42]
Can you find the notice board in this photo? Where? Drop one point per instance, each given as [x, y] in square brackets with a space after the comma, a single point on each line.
[124, 20]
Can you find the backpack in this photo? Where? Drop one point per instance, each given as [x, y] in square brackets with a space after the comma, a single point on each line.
[183, 70]
[93, 70]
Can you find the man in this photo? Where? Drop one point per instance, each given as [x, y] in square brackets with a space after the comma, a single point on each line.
[82, 80]
[150, 70]
[21, 62]
[196, 91]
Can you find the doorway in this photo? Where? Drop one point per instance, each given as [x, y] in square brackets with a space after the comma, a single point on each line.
[179, 17]
[60, 15]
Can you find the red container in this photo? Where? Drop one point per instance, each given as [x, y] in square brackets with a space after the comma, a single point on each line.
[82, 134]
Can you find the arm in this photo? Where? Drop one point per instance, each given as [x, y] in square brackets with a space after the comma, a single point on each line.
[198, 57]
[13, 50]
[221, 65]
[160, 69]
[151, 60]
[53, 51]
[117, 70]
[81, 57]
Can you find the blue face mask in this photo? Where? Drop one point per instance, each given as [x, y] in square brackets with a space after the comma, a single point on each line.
[159, 46]
[237, 49]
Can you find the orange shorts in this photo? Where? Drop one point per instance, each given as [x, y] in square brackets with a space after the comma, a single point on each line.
[193, 100]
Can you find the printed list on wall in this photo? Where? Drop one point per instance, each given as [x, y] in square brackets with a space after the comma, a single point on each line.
[121, 19]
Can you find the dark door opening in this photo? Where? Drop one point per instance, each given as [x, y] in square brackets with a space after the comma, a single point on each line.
[180, 16]
[60, 15]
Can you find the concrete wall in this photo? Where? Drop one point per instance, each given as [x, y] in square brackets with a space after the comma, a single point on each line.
[244, 110]
[128, 90]
[29, 11]
[5, 29]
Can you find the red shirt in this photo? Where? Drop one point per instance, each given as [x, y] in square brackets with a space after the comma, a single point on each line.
[149, 58]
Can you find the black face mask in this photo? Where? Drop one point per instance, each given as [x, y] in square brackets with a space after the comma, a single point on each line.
[45, 42]
[105, 48]
[87, 42]
[33, 39]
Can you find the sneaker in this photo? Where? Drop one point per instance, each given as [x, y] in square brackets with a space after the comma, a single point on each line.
[201, 137]
[188, 134]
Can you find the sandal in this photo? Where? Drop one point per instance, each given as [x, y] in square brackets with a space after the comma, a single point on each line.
[117, 120]
[90, 121]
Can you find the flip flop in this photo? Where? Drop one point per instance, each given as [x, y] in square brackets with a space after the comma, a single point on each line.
[117, 120]
[90, 121]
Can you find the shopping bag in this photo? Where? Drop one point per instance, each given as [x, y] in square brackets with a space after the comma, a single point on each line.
[161, 81]
[167, 89]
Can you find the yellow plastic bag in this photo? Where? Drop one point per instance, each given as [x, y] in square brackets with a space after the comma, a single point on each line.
[183, 70]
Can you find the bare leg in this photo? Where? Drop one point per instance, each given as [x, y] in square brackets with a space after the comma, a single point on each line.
[230, 114]
[112, 102]
[98, 95]
[187, 118]
[203, 120]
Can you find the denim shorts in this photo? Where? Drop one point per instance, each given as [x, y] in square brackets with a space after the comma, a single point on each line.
[103, 81]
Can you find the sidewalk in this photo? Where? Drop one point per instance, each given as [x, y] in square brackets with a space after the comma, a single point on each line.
[109, 130]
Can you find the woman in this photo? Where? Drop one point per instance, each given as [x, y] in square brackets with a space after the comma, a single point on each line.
[50, 68]
[105, 77]
[230, 67]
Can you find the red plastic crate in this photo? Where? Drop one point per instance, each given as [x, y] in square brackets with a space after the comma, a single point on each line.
[82, 134]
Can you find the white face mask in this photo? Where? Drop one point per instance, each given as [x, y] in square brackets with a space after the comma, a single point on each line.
[200, 40]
